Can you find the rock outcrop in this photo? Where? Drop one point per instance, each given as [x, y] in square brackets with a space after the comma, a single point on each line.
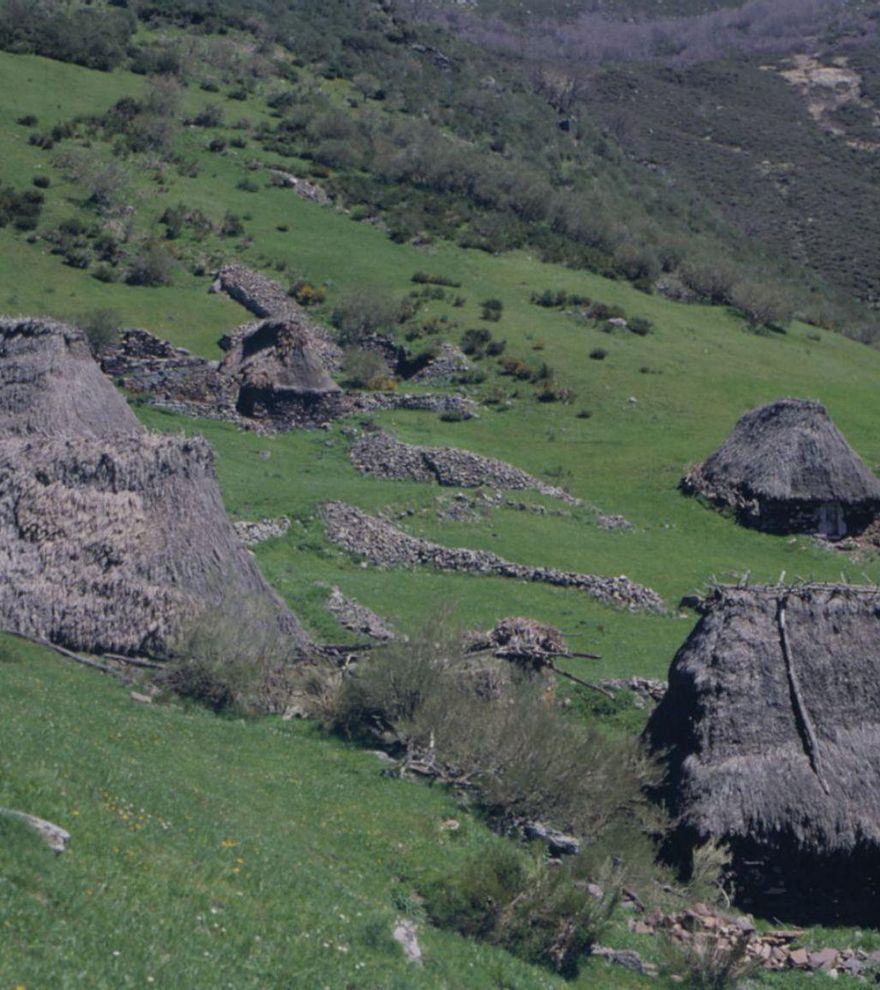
[383, 544]
[111, 538]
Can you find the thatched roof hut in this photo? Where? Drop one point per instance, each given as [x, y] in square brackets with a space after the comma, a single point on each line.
[786, 468]
[276, 363]
[111, 538]
[771, 732]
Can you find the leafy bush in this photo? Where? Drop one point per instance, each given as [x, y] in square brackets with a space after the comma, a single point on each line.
[233, 657]
[598, 354]
[492, 310]
[432, 278]
[762, 303]
[365, 369]
[101, 327]
[41, 181]
[475, 341]
[362, 312]
[307, 294]
[640, 326]
[151, 266]
[21, 209]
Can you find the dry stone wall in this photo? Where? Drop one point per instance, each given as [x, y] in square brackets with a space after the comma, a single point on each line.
[379, 454]
[385, 545]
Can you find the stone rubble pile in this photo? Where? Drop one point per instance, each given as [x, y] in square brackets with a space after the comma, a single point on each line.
[303, 188]
[385, 545]
[252, 533]
[379, 454]
[449, 362]
[774, 950]
[355, 617]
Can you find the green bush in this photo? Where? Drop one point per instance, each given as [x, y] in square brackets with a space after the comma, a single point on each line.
[533, 910]
[151, 266]
[234, 657]
[492, 310]
[101, 327]
[598, 354]
[363, 368]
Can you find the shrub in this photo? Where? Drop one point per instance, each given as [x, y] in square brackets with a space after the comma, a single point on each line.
[366, 369]
[307, 294]
[585, 413]
[211, 115]
[598, 354]
[233, 657]
[217, 144]
[475, 341]
[708, 963]
[101, 327]
[641, 326]
[151, 266]
[364, 311]
[531, 909]
[232, 225]
[432, 278]
[495, 348]
[492, 309]
[28, 120]
[762, 303]
[41, 181]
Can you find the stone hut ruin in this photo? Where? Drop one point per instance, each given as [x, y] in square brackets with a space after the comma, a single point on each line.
[770, 730]
[280, 372]
[112, 539]
[786, 468]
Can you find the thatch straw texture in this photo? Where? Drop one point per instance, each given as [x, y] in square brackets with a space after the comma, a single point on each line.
[111, 538]
[771, 723]
[781, 464]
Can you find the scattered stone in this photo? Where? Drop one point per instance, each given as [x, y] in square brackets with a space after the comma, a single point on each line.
[558, 843]
[449, 362]
[406, 937]
[253, 533]
[613, 522]
[303, 188]
[385, 545]
[357, 618]
[380, 455]
[450, 825]
[143, 699]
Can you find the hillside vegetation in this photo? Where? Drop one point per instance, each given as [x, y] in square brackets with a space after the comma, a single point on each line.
[444, 202]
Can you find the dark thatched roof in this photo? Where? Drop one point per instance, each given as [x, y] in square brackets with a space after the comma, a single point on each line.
[771, 723]
[282, 355]
[111, 538]
[788, 450]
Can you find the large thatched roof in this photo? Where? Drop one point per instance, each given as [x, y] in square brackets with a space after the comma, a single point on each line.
[111, 538]
[771, 723]
[281, 355]
[787, 451]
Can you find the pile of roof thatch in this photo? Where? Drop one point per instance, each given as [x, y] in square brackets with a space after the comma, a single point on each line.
[786, 468]
[111, 538]
[771, 729]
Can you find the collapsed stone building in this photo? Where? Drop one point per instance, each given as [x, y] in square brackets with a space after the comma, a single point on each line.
[112, 539]
[770, 732]
[786, 468]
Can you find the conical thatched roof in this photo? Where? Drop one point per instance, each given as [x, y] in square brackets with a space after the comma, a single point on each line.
[111, 538]
[787, 451]
[282, 355]
[771, 723]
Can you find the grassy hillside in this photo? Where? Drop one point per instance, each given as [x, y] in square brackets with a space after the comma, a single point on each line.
[164, 801]
[212, 852]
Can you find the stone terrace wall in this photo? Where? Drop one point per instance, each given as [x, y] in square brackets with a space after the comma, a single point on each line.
[383, 544]
[381, 455]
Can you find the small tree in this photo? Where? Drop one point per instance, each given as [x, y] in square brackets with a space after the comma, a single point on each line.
[362, 312]
[151, 266]
[762, 303]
